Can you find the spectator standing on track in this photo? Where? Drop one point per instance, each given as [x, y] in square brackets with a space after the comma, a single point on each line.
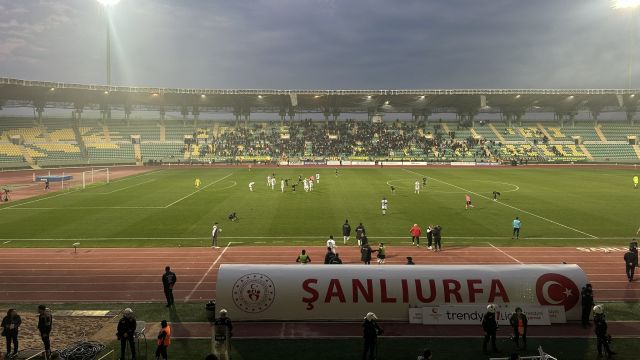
[346, 231]
[214, 234]
[365, 254]
[601, 330]
[10, 325]
[168, 281]
[519, 323]
[410, 261]
[125, 333]
[631, 262]
[331, 244]
[164, 340]
[586, 295]
[382, 253]
[429, 237]
[415, 235]
[360, 232]
[46, 184]
[371, 330]
[45, 324]
[329, 255]
[516, 228]
[303, 258]
[490, 327]
[437, 238]
[365, 240]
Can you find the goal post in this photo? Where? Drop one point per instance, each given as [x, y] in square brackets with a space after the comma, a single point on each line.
[95, 177]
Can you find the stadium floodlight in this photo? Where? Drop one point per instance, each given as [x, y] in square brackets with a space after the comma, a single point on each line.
[625, 4]
[107, 3]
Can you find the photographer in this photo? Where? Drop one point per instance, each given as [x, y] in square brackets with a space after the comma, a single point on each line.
[371, 332]
[603, 339]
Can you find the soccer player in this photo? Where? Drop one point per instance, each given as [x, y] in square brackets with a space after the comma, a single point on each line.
[331, 244]
[336, 171]
[303, 258]
[282, 185]
[416, 189]
[384, 203]
[393, 189]
[268, 180]
[310, 182]
[214, 235]
[496, 194]
[467, 202]
[305, 184]
[273, 183]
[251, 185]
[415, 235]
[635, 181]
[346, 231]
[516, 228]
[317, 178]
[197, 183]
[424, 181]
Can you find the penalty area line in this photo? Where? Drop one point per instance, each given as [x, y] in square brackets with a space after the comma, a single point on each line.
[184, 197]
[507, 205]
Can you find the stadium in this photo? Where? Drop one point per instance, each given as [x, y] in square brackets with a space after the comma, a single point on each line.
[520, 197]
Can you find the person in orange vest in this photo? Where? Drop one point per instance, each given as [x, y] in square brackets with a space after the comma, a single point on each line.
[164, 340]
[519, 322]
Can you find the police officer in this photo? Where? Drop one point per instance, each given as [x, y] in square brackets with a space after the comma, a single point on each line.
[631, 261]
[168, 281]
[601, 330]
[371, 331]
[519, 324]
[587, 303]
[10, 325]
[45, 324]
[125, 333]
[490, 327]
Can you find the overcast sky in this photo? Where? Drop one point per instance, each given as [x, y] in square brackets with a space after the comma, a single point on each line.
[322, 44]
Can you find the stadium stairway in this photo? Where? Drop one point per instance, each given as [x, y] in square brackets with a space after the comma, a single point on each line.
[586, 152]
[28, 158]
[496, 132]
[80, 142]
[603, 138]
[137, 153]
[107, 134]
[163, 132]
[636, 148]
[446, 129]
[545, 132]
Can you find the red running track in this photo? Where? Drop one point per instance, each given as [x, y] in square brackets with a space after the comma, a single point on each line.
[133, 274]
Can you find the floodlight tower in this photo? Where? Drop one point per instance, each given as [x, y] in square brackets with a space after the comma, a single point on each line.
[631, 6]
[107, 4]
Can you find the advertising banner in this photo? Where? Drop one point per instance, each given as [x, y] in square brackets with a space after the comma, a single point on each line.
[473, 314]
[347, 292]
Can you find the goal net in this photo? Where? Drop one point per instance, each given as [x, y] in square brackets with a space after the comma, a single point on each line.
[68, 179]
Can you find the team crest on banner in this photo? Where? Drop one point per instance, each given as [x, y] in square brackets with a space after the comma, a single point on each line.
[253, 293]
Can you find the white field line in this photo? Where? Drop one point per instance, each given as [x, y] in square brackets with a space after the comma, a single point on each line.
[204, 187]
[124, 188]
[135, 176]
[319, 237]
[89, 207]
[507, 205]
[34, 201]
[509, 256]
[207, 273]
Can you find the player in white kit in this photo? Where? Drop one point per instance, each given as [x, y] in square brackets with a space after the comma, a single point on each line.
[384, 203]
[417, 187]
[317, 178]
[251, 185]
[282, 185]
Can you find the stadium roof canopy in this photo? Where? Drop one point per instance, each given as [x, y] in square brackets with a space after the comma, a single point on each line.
[41, 94]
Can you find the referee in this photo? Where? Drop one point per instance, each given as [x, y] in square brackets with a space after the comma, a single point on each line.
[516, 228]
[214, 235]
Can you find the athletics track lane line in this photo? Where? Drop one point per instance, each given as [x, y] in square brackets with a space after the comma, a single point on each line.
[509, 256]
[186, 299]
[184, 197]
[505, 204]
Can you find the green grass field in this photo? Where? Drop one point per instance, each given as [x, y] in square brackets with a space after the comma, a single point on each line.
[558, 207]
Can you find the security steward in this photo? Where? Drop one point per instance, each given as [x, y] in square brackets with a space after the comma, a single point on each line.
[303, 258]
[125, 333]
[587, 303]
[45, 324]
[164, 340]
[601, 330]
[168, 281]
[519, 324]
[631, 261]
[490, 327]
[371, 330]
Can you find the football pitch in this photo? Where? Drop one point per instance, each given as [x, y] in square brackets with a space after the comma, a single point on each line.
[585, 206]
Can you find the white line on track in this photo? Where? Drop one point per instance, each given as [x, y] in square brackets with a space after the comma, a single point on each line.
[33, 201]
[204, 187]
[207, 273]
[507, 205]
[319, 237]
[509, 256]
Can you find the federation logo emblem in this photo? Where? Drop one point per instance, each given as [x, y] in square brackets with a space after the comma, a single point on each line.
[556, 289]
[253, 293]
